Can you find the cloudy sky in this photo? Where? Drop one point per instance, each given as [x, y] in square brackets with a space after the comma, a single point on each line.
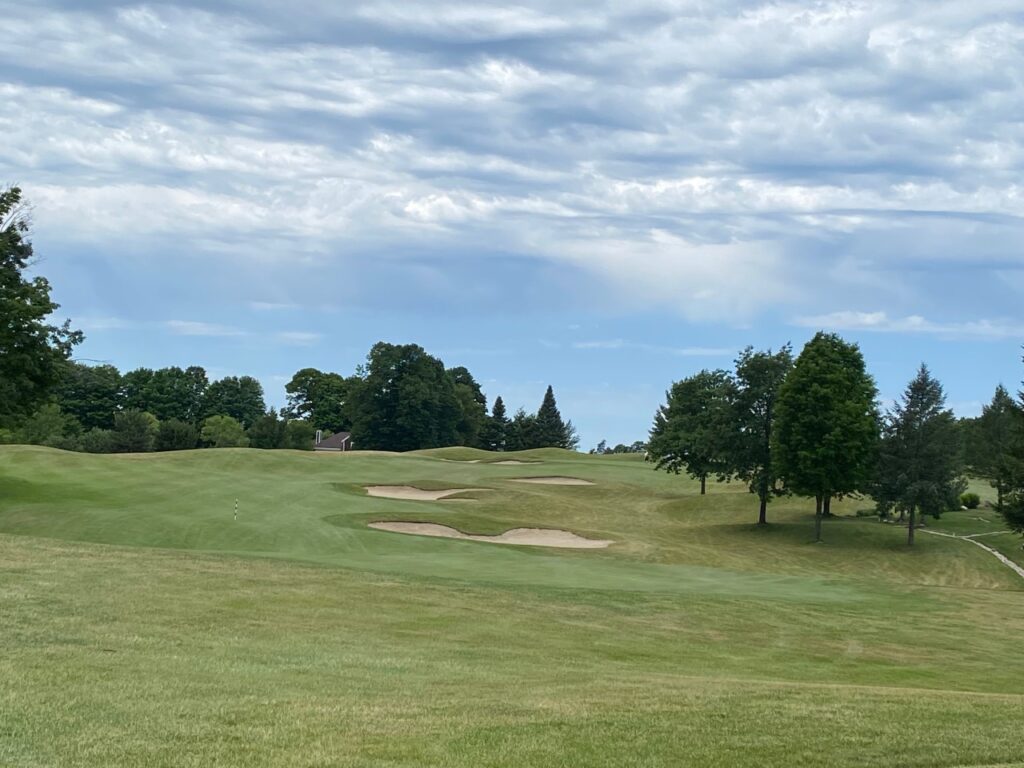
[603, 196]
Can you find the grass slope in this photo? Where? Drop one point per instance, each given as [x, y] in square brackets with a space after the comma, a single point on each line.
[143, 625]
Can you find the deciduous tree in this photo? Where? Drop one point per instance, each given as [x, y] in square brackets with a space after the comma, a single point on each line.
[693, 430]
[223, 432]
[759, 380]
[826, 430]
[33, 350]
[134, 431]
[240, 397]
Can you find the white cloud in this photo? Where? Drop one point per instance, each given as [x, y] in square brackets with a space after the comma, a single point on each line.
[881, 322]
[298, 338]
[196, 328]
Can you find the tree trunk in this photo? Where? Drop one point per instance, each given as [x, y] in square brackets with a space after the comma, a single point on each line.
[703, 484]
[762, 515]
[817, 525]
[910, 528]
[827, 510]
[999, 496]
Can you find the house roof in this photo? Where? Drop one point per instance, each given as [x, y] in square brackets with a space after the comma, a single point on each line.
[335, 442]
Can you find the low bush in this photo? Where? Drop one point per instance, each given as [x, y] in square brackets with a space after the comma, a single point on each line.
[970, 500]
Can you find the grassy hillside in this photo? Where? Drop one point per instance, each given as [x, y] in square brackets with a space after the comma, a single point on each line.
[144, 625]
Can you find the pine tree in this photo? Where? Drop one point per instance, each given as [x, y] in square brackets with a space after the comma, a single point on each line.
[826, 430]
[496, 429]
[991, 442]
[920, 459]
[551, 431]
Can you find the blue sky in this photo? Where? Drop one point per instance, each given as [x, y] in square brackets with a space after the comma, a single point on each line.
[603, 196]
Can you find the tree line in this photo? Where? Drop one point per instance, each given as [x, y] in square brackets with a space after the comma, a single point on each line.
[401, 399]
[812, 427]
[405, 399]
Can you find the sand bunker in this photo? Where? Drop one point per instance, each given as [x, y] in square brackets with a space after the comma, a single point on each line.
[552, 480]
[410, 493]
[533, 537]
[512, 463]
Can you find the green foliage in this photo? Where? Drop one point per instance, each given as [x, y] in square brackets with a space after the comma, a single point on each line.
[826, 432]
[405, 402]
[33, 351]
[759, 380]
[970, 500]
[299, 435]
[98, 440]
[321, 398]
[472, 420]
[521, 432]
[549, 430]
[52, 427]
[268, 432]
[90, 393]
[919, 467]
[134, 431]
[496, 428]
[173, 393]
[241, 398]
[223, 432]
[176, 435]
[990, 443]
[694, 429]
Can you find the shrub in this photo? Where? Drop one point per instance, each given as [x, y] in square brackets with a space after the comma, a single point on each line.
[224, 432]
[970, 500]
[134, 431]
[176, 435]
[98, 440]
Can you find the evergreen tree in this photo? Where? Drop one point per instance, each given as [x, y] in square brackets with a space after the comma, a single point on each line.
[692, 430]
[495, 431]
[759, 380]
[920, 467]
[521, 432]
[550, 431]
[1013, 506]
[826, 429]
[990, 442]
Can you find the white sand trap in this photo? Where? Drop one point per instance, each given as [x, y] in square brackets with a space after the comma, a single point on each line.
[410, 493]
[512, 463]
[531, 537]
[552, 480]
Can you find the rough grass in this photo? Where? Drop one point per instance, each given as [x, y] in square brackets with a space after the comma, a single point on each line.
[143, 625]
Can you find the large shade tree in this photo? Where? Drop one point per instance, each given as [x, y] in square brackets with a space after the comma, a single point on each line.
[693, 430]
[406, 401]
[33, 350]
[826, 431]
[90, 393]
[240, 397]
[321, 399]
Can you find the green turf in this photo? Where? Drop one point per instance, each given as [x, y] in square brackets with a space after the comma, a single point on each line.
[143, 625]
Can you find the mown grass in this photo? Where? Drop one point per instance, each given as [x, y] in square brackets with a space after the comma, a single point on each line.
[143, 625]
